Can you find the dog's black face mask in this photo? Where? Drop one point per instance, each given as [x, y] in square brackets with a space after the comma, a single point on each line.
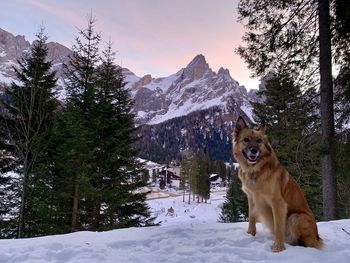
[251, 152]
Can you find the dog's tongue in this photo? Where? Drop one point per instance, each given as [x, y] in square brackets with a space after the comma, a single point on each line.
[252, 157]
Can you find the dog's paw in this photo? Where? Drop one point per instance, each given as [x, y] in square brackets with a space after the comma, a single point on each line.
[252, 231]
[278, 247]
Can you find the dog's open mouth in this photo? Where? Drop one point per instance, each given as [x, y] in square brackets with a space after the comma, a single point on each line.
[251, 158]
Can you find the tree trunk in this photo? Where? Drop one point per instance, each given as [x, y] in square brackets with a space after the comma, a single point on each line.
[23, 203]
[75, 207]
[327, 113]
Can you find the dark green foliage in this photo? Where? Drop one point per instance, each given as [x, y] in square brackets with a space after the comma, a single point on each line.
[341, 32]
[341, 40]
[72, 159]
[195, 175]
[220, 169]
[100, 176]
[300, 37]
[235, 206]
[343, 178]
[293, 132]
[26, 124]
[281, 35]
[119, 174]
[203, 190]
[161, 145]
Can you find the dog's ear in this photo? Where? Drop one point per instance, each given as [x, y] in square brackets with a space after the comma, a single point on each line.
[240, 125]
[262, 126]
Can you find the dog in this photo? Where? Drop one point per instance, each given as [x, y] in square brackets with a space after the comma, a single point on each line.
[274, 197]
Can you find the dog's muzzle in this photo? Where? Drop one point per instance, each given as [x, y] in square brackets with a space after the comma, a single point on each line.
[251, 154]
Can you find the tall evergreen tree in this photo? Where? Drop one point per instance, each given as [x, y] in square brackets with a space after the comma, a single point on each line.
[81, 80]
[72, 164]
[119, 174]
[203, 176]
[27, 122]
[99, 157]
[293, 131]
[235, 206]
[185, 173]
[294, 36]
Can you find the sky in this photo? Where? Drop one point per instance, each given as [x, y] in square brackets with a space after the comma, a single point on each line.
[157, 37]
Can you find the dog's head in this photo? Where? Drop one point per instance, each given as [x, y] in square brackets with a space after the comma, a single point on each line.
[251, 146]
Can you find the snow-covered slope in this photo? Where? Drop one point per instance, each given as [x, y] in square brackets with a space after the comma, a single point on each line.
[192, 234]
[200, 243]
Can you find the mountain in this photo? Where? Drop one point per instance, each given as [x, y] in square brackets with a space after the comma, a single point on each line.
[195, 87]
[192, 108]
[13, 47]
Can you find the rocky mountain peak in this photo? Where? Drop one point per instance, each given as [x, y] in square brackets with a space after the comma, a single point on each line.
[224, 72]
[56, 52]
[11, 46]
[197, 68]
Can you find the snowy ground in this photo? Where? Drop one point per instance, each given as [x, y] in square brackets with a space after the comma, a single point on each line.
[185, 213]
[192, 235]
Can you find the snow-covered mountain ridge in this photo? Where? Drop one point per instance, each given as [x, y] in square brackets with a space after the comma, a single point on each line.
[194, 87]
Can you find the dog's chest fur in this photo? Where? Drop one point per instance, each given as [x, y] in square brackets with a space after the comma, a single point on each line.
[252, 181]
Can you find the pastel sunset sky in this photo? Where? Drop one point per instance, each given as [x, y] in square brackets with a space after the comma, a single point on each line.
[156, 37]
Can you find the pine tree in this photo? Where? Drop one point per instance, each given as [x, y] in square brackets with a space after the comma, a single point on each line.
[189, 173]
[99, 158]
[293, 132]
[119, 175]
[27, 121]
[203, 176]
[81, 79]
[295, 37]
[235, 206]
[72, 158]
[185, 173]
[220, 169]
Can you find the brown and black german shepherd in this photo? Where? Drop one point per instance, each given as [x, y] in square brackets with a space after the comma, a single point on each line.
[274, 198]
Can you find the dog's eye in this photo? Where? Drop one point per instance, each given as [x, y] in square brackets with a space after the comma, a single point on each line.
[246, 139]
[259, 140]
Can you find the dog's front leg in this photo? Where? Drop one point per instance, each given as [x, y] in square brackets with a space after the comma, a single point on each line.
[279, 210]
[252, 219]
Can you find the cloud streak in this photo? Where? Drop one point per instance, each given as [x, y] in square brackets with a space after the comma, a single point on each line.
[151, 36]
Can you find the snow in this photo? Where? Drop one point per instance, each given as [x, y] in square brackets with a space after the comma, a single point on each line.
[185, 213]
[188, 107]
[5, 79]
[247, 109]
[163, 83]
[194, 236]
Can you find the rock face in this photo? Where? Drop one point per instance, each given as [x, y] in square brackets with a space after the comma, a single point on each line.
[192, 108]
[13, 47]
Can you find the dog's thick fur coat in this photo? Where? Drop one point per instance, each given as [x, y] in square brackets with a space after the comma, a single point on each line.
[274, 198]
